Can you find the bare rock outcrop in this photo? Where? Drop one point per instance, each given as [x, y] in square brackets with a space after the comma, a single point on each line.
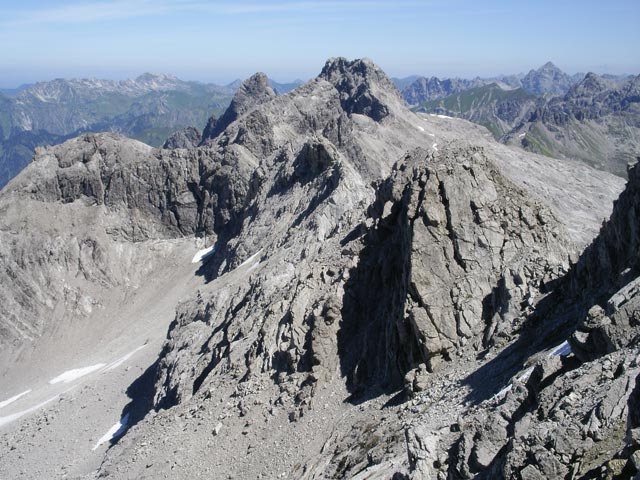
[188, 137]
[452, 265]
[157, 192]
[253, 91]
[573, 410]
[363, 86]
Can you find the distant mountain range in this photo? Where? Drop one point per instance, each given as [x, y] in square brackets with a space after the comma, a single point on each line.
[148, 108]
[589, 117]
[549, 79]
[597, 121]
[489, 105]
[522, 109]
[546, 80]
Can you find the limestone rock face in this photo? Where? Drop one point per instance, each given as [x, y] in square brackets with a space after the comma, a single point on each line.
[158, 192]
[111, 191]
[573, 411]
[188, 137]
[253, 91]
[455, 257]
[362, 86]
[449, 217]
[547, 79]
[209, 129]
[606, 279]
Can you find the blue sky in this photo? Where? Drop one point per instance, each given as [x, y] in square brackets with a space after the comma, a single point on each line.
[223, 40]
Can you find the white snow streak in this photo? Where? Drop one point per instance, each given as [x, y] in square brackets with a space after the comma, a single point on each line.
[254, 266]
[202, 254]
[442, 116]
[9, 401]
[248, 260]
[562, 350]
[10, 418]
[526, 374]
[123, 359]
[522, 378]
[420, 128]
[521, 135]
[71, 375]
[435, 146]
[115, 431]
[503, 392]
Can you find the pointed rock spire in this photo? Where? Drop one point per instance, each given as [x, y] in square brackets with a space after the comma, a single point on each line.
[364, 88]
[254, 91]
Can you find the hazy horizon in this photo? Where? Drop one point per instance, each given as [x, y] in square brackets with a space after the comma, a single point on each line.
[224, 41]
[225, 81]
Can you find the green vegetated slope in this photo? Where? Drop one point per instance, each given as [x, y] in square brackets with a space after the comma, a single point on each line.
[596, 121]
[496, 108]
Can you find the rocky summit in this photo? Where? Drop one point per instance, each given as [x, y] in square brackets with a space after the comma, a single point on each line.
[325, 285]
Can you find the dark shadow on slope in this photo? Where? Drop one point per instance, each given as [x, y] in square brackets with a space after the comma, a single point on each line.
[605, 266]
[141, 393]
[550, 324]
[218, 262]
[376, 347]
[315, 169]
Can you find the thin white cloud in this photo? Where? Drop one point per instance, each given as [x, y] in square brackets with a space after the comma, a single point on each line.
[100, 11]
[305, 6]
[87, 12]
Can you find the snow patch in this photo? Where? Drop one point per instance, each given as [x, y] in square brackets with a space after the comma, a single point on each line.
[123, 359]
[420, 128]
[503, 392]
[254, 266]
[431, 134]
[252, 257]
[521, 135]
[526, 374]
[10, 418]
[9, 401]
[522, 378]
[202, 254]
[71, 375]
[562, 350]
[443, 116]
[114, 432]
[435, 146]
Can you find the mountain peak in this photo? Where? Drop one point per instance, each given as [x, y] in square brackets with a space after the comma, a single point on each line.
[548, 66]
[155, 78]
[364, 88]
[591, 84]
[547, 79]
[254, 91]
[363, 69]
[257, 84]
